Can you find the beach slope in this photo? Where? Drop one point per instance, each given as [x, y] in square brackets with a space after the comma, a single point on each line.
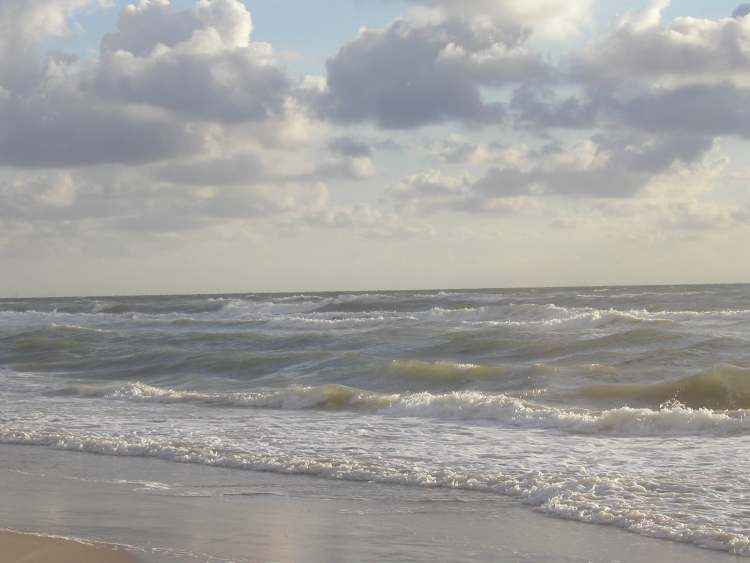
[26, 548]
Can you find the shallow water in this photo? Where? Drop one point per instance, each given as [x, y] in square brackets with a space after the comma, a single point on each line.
[621, 406]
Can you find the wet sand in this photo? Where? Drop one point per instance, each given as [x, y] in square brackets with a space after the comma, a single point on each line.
[25, 548]
[171, 512]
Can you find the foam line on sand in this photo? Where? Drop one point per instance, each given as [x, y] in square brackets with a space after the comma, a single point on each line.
[28, 548]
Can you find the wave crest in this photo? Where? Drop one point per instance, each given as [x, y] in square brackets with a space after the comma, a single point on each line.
[444, 372]
[669, 419]
[723, 387]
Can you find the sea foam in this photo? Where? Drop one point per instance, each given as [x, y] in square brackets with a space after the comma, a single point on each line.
[671, 418]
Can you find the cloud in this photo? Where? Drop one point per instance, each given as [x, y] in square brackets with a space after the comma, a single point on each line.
[457, 149]
[183, 123]
[432, 185]
[551, 18]
[415, 73]
[605, 166]
[167, 84]
[349, 146]
[251, 167]
[371, 222]
[24, 26]
[149, 24]
[240, 169]
[59, 126]
[354, 168]
[685, 50]
[116, 198]
[199, 63]
[537, 107]
[687, 75]
[705, 110]
[741, 11]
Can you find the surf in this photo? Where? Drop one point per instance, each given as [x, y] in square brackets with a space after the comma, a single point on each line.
[724, 387]
[468, 406]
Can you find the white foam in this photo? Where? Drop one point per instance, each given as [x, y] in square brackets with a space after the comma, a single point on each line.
[577, 493]
[670, 419]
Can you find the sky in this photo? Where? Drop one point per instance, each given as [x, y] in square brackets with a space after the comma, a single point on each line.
[285, 145]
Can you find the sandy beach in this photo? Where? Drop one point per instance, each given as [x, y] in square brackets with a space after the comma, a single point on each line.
[27, 548]
[197, 513]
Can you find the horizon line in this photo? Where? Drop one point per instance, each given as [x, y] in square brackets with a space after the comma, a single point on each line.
[365, 291]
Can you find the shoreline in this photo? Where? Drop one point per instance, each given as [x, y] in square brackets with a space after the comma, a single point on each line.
[187, 513]
[16, 546]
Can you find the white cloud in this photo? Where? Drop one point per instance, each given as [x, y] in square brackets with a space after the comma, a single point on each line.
[153, 24]
[24, 25]
[370, 222]
[685, 50]
[687, 76]
[200, 63]
[183, 128]
[415, 72]
[604, 166]
[552, 18]
[458, 149]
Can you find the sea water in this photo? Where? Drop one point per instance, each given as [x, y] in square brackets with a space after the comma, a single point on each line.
[621, 406]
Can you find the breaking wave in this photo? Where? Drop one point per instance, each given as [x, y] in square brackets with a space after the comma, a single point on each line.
[669, 419]
[574, 400]
[613, 498]
[721, 388]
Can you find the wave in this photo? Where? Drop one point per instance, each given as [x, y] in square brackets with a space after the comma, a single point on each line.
[305, 311]
[331, 397]
[575, 493]
[443, 371]
[112, 308]
[552, 315]
[669, 419]
[721, 388]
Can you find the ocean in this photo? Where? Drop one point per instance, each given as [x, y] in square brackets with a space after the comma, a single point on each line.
[618, 406]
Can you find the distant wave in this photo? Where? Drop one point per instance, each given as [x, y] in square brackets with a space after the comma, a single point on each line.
[355, 310]
[670, 419]
[112, 308]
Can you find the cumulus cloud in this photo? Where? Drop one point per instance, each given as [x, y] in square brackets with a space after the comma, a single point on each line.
[678, 203]
[540, 108]
[685, 49]
[553, 18]
[163, 85]
[198, 112]
[59, 126]
[144, 26]
[200, 63]
[24, 25]
[370, 221]
[416, 72]
[458, 149]
[605, 166]
[686, 75]
[239, 169]
[721, 109]
[354, 168]
[183, 122]
[121, 199]
[349, 146]
[434, 191]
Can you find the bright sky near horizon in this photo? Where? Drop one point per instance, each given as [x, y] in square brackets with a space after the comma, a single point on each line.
[282, 145]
